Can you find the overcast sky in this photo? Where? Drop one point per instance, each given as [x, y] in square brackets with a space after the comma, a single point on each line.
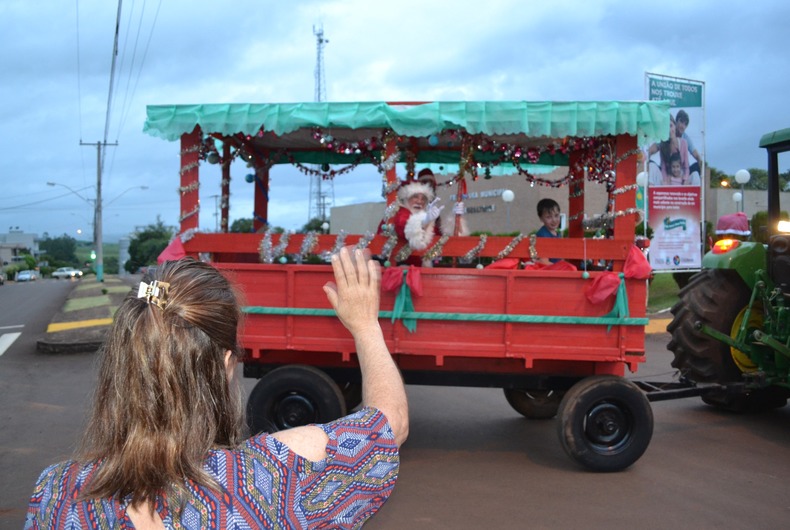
[56, 62]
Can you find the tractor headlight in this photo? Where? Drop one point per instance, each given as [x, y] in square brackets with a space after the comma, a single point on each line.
[783, 227]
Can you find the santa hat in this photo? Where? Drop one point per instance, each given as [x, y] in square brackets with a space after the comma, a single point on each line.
[407, 189]
[426, 175]
[733, 224]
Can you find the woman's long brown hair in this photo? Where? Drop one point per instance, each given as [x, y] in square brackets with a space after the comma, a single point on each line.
[163, 398]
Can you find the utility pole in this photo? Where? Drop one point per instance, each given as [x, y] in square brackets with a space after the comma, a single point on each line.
[97, 215]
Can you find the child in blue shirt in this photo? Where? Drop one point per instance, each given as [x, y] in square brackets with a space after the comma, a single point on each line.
[549, 213]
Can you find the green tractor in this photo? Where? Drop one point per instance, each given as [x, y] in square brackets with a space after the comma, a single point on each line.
[731, 326]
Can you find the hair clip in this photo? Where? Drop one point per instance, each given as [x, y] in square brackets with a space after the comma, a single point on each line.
[155, 292]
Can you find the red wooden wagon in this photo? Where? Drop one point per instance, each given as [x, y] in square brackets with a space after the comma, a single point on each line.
[534, 333]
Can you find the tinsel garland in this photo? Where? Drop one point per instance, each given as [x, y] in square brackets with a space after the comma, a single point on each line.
[187, 215]
[267, 252]
[388, 188]
[533, 251]
[411, 158]
[510, 246]
[390, 211]
[389, 244]
[365, 240]
[192, 149]
[474, 252]
[187, 234]
[308, 244]
[194, 186]
[326, 175]
[339, 243]
[403, 253]
[435, 252]
[390, 161]
[624, 189]
[187, 168]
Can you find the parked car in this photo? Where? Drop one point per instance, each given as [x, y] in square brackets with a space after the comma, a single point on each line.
[67, 272]
[26, 276]
[2, 277]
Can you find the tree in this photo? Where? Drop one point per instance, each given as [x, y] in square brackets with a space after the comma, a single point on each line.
[146, 245]
[313, 225]
[60, 249]
[241, 225]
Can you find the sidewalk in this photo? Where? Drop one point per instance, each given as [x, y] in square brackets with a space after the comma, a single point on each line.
[82, 323]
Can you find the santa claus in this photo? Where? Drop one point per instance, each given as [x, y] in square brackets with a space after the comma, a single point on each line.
[418, 220]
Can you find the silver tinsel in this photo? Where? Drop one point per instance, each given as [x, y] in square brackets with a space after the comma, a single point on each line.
[339, 243]
[364, 241]
[269, 253]
[308, 244]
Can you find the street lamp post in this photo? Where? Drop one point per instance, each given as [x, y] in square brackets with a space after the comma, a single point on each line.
[508, 197]
[742, 177]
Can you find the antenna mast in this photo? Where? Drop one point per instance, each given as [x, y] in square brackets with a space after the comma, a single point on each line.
[320, 200]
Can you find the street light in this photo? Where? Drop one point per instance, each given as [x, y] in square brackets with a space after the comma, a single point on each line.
[508, 197]
[742, 177]
[737, 198]
[97, 223]
[325, 227]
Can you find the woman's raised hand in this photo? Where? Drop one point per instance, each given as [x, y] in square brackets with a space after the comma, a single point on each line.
[355, 293]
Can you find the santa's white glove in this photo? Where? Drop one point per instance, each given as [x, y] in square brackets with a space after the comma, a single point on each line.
[432, 212]
[458, 208]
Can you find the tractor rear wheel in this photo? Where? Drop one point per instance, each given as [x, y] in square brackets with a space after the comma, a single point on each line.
[717, 298]
[714, 298]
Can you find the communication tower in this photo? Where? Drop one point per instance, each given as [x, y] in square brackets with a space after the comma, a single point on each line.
[322, 192]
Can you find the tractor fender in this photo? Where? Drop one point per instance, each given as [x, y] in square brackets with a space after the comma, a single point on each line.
[746, 259]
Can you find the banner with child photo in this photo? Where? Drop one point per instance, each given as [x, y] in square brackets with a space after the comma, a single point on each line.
[675, 176]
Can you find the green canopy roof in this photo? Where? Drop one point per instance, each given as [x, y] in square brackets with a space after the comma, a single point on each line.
[550, 119]
[272, 129]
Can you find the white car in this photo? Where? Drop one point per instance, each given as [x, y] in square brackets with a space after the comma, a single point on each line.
[67, 272]
[26, 276]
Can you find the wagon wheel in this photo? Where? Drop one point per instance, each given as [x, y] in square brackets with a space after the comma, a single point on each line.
[535, 404]
[605, 423]
[352, 393]
[291, 396]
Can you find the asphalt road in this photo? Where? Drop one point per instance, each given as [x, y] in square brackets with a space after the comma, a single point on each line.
[470, 462]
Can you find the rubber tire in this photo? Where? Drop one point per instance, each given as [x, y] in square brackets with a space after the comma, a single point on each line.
[291, 396]
[605, 423]
[534, 404]
[713, 297]
[352, 394]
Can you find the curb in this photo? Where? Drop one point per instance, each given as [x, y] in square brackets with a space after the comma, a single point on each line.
[43, 346]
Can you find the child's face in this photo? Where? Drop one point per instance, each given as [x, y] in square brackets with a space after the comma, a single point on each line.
[551, 219]
[675, 168]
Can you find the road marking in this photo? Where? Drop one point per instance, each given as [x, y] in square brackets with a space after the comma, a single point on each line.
[15, 326]
[62, 326]
[657, 325]
[6, 340]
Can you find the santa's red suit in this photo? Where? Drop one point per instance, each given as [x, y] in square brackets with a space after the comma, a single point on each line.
[415, 226]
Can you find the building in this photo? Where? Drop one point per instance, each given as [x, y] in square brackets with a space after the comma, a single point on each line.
[485, 209]
[16, 243]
